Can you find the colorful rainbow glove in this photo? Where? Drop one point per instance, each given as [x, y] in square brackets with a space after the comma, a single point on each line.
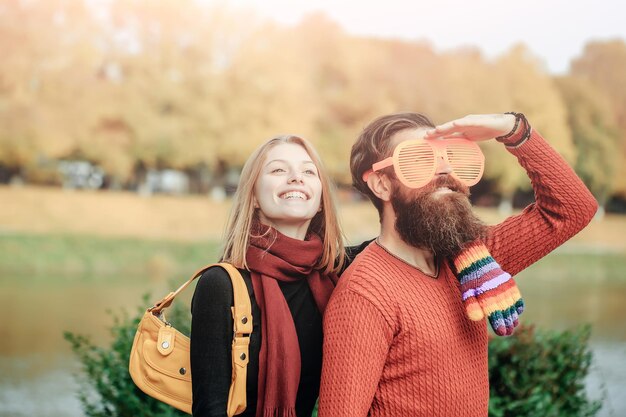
[487, 290]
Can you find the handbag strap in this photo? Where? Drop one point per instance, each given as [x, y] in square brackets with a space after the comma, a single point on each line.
[242, 310]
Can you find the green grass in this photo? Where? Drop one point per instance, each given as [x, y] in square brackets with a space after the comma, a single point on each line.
[579, 268]
[89, 258]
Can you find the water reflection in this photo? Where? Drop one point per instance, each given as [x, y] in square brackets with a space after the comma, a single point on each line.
[35, 361]
[39, 385]
[38, 315]
[557, 305]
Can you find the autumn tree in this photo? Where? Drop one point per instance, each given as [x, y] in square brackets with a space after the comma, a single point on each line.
[184, 84]
[40, 95]
[595, 134]
[603, 63]
[525, 87]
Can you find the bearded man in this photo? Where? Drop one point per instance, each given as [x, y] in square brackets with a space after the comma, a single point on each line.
[405, 331]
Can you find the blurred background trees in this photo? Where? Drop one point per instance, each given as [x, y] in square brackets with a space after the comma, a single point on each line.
[133, 86]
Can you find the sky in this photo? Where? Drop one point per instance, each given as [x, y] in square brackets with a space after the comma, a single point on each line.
[554, 30]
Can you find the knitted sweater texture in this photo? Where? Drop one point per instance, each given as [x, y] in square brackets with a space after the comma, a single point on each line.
[399, 343]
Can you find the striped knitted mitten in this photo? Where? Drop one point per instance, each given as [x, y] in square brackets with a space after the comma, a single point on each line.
[487, 290]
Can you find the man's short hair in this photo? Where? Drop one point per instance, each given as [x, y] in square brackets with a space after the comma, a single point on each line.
[373, 145]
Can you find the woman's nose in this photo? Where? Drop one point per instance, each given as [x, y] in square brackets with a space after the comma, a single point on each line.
[295, 177]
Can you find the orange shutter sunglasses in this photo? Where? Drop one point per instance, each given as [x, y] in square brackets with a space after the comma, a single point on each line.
[415, 161]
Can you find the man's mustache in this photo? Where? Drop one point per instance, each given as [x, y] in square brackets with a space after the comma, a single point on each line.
[447, 181]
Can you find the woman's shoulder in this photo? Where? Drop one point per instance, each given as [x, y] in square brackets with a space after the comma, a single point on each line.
[218, 279]
[215, 288]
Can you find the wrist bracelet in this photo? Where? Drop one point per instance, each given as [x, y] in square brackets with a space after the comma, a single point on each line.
[518, 117]
[525, 135]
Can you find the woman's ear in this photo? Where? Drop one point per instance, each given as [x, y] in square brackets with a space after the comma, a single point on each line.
[380, 184]
[255, 203]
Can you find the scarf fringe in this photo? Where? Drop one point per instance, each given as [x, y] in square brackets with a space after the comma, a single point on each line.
[279, 412]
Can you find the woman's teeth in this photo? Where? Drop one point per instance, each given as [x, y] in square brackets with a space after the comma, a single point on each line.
[293, 195]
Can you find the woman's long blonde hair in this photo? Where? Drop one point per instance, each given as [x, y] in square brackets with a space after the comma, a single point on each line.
[325, 223]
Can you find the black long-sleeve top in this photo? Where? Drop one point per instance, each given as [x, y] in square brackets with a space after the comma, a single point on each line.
[211, 337]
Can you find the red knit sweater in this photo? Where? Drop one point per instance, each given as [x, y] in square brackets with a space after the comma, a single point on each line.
[399, 343]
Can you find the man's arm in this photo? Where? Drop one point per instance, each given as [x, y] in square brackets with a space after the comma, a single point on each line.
[356, 342]
[563, 206]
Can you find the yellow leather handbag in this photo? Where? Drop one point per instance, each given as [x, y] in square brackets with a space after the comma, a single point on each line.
[159, 359]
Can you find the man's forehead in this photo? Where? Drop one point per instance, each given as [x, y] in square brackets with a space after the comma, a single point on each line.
[408, 134]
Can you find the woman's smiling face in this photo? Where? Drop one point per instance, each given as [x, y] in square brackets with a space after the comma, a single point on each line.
[288, 190]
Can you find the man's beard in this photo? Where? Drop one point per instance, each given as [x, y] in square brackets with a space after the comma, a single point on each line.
[442, 223]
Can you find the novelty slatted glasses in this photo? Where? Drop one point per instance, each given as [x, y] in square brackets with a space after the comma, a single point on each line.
[415, 161]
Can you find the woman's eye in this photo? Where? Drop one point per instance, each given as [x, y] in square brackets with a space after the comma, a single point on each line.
[277, 170]
[310, 172]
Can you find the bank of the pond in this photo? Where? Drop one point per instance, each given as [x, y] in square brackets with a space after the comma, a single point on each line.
[64, 258]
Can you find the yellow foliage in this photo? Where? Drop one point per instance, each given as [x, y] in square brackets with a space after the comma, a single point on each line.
[177, 83]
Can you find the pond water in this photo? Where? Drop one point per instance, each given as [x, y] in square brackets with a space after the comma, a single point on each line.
[37, 368]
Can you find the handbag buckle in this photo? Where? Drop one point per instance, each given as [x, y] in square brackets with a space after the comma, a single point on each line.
[161, 317]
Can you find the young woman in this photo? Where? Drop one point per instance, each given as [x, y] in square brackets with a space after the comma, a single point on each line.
[284, 237]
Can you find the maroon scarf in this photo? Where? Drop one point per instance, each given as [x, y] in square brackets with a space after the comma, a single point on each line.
[274, 257]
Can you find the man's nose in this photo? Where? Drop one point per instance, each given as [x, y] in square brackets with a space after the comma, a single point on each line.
[443, 167]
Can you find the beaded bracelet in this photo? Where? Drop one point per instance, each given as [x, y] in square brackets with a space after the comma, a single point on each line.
[518, 117]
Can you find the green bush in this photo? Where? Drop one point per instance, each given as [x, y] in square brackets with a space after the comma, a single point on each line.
[106, 386]
[533, 373]
[540, 373]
